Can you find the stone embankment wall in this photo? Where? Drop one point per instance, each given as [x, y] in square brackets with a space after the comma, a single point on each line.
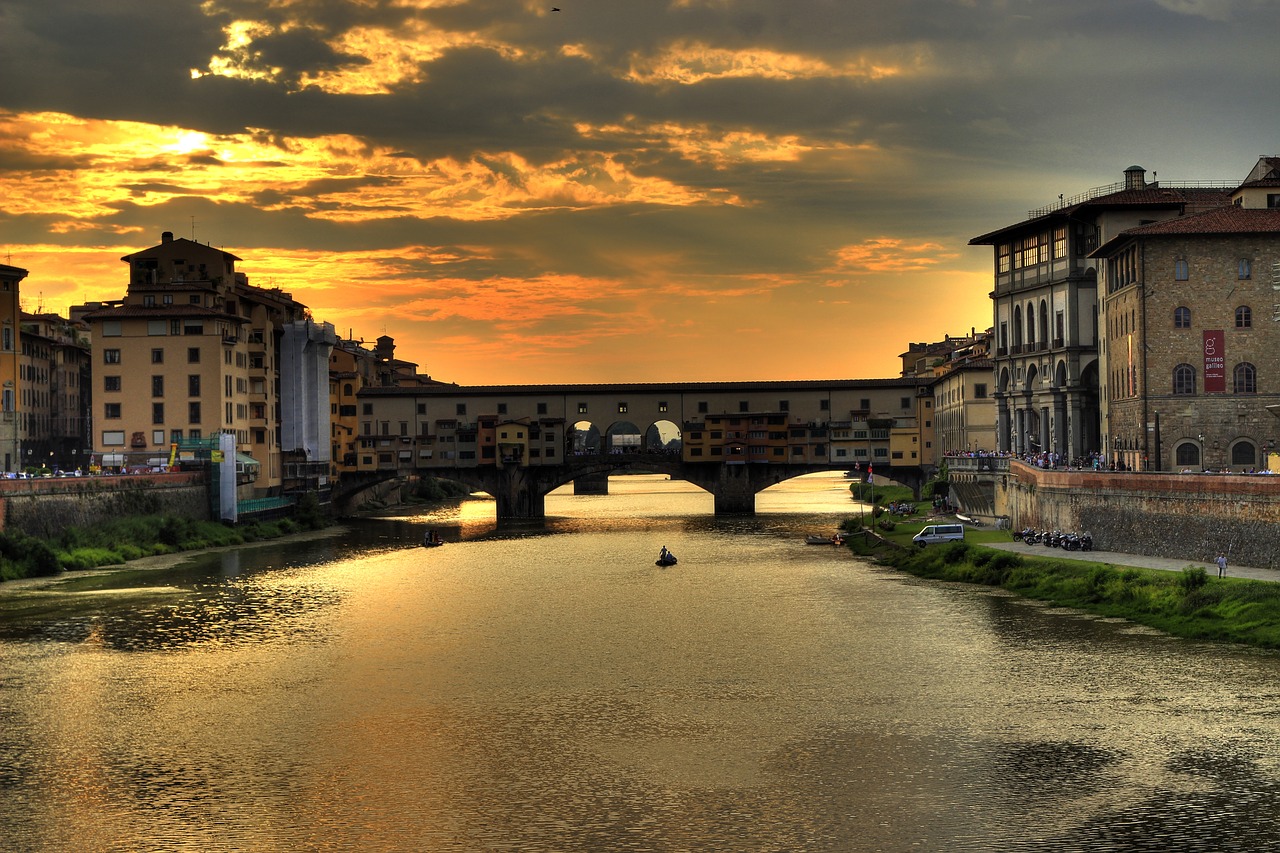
[44, 508]
[1181, 516]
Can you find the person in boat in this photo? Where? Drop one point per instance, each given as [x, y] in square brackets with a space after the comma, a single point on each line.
[432, 538]
[664, 555]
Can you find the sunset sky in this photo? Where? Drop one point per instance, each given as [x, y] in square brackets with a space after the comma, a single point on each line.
[649, 190]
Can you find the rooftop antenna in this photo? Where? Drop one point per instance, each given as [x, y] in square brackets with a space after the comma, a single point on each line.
[193, 229]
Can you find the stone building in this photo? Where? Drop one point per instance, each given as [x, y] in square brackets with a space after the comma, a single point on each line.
[1046, 309]
[1191, 347]
[54, 392]
[964, 415]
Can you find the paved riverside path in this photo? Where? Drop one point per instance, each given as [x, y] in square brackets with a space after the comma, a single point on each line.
[1119, 558]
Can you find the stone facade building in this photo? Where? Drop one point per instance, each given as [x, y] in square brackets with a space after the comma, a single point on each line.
[1046, 309]
[1191, 346]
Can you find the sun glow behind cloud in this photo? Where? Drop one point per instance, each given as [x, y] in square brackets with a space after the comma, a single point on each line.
[339, 177]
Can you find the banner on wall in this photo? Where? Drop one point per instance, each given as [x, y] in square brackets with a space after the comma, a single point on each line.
[1215, 362]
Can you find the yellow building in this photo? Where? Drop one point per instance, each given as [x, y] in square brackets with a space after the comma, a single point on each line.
[192, 351]
[10, 347]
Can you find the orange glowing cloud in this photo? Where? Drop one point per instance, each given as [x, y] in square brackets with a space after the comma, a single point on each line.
[338, 177]
[687, 63]
[892, 255]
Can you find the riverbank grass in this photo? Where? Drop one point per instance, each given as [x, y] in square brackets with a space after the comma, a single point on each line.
[120, 540]
[1187, 604]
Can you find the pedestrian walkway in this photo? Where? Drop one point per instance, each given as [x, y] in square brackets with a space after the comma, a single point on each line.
[1118, 558]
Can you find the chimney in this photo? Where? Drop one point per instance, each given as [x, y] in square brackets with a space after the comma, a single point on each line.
[1135, 178]
[166, 237]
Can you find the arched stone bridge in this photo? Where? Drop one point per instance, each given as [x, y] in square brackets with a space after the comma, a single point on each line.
[521, 492]
[734, 439]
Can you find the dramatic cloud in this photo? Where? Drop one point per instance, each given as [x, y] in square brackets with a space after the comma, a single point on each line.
[688, 189]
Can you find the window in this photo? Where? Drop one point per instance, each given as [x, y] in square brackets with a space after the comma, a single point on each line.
[1180, 271]
[1244, 453]
[582, 408]
[461, 409]
[1244, 317]
[1244, 379]
[1245, 269]
[502, 408]
[157, 413]
[865, 404]
[157, 327]
[824, 405]
[1060, 242]
[193, 385]
[784, 405]
[662, 406]
[542, 408]
[744, 406]
[622, 408]
[193, 412]
[157, 436]
[980, 390]
[111, 411]
[112, 438]
[193, 355]
[366, 408]
[702, 407]
[1188, 453]
[1182, 318]
[111, 329]
[1184, 379]
[111, 356]
[904, 402]
[157, 356]
[111, 383]
[1004, 252]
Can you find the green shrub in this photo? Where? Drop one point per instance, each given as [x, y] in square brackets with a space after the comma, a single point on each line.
[1192, 578]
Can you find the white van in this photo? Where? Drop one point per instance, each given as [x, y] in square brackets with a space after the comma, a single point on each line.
[935, 533]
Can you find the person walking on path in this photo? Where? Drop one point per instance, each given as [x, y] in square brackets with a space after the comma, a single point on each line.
[1222, 565]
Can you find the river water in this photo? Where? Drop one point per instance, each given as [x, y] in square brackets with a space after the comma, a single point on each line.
[546, 687]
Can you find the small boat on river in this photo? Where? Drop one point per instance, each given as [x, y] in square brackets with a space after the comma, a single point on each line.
[432, 540]
[814, 539]
[665, 558]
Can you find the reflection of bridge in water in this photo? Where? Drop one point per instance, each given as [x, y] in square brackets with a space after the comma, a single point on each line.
[520, 442]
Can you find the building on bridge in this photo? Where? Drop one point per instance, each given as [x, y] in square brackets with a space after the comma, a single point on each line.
[850, 423]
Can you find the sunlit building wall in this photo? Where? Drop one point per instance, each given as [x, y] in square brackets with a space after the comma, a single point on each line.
[10, 347]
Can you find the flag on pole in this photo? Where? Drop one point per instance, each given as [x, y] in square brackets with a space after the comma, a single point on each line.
[870, 473]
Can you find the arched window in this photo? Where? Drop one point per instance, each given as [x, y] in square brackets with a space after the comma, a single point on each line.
[1180, 270]
[1245, 269]
[1184, 379]
[347, 389]
[1244, 453]
[1182, 318]
[1244, 317]
[1187, 454]
[1017, 325]
[1031, 325]
[1244, 379]
[1044, 322]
